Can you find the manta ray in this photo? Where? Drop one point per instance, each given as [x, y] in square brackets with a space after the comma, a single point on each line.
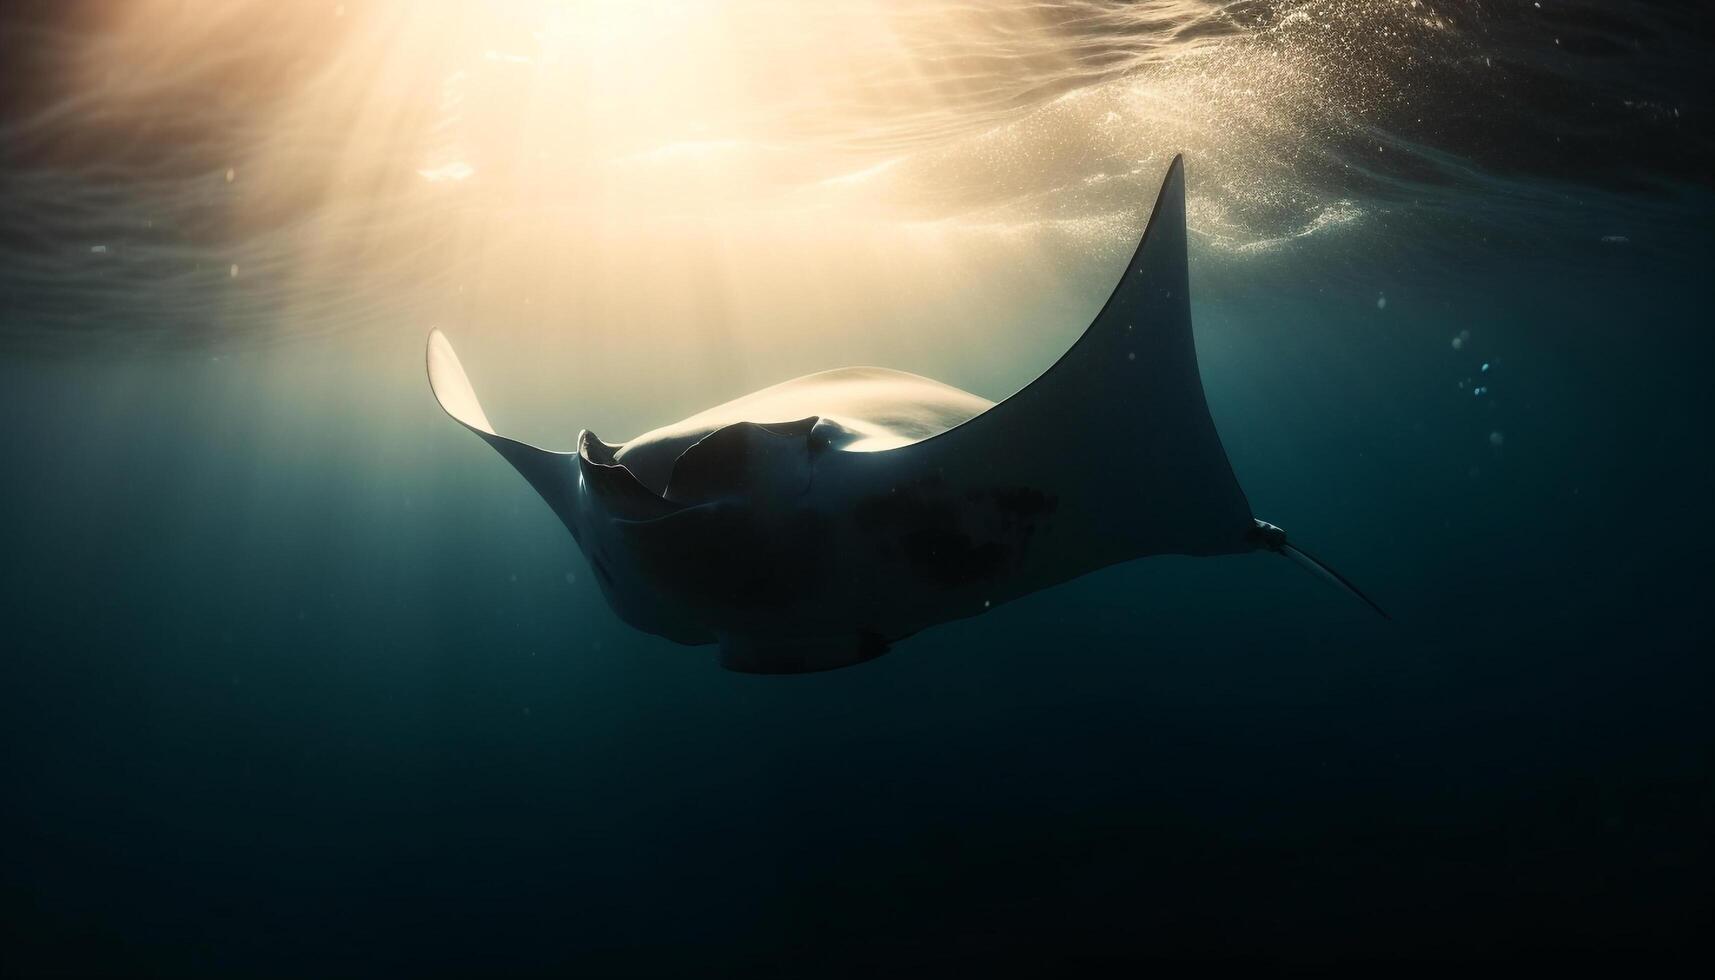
[813, 524]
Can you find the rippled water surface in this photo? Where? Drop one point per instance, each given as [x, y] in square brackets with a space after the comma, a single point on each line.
[233, 174]
[300, 680]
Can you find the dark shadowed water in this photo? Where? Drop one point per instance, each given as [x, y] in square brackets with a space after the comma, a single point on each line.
[299, 679]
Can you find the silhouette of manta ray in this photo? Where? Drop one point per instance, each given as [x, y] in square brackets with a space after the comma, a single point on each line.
[810, 525]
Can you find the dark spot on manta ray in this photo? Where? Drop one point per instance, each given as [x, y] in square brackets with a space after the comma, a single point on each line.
[777, 570]
[950, 543]
[1025, 502]
[951, 558]
[727, 555]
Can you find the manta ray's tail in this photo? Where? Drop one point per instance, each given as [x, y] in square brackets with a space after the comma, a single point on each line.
[553, 475]
[1271, 538]
[1328, 574]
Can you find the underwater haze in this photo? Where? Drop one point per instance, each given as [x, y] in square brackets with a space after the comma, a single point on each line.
[300, 679]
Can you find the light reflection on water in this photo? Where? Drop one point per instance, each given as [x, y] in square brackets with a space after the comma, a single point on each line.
[376, 166]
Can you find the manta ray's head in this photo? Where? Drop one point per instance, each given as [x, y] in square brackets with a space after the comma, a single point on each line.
[724, 539]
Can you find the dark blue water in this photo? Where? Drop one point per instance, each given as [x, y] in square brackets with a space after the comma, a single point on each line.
[299, 680]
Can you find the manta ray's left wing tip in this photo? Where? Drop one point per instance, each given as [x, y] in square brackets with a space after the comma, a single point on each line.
[553, 474]
[451, 386]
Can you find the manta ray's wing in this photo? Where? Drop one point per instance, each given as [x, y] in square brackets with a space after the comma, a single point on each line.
[552, 474]
[556, 476]
[1116, 437]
